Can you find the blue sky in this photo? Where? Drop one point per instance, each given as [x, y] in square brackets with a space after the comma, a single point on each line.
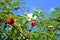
[46, 4]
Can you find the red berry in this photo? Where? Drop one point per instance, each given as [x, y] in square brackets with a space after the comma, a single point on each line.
[10, 21]
[28, 36]
[0, 20]
[34, 23]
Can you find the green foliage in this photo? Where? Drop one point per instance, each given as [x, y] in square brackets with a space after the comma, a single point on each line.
[47, 26]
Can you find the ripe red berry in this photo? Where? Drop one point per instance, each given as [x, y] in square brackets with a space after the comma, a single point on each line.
[34, 23]
[10, 21]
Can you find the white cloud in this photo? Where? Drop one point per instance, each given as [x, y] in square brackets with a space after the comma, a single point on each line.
[30, 16]
[52, 9]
